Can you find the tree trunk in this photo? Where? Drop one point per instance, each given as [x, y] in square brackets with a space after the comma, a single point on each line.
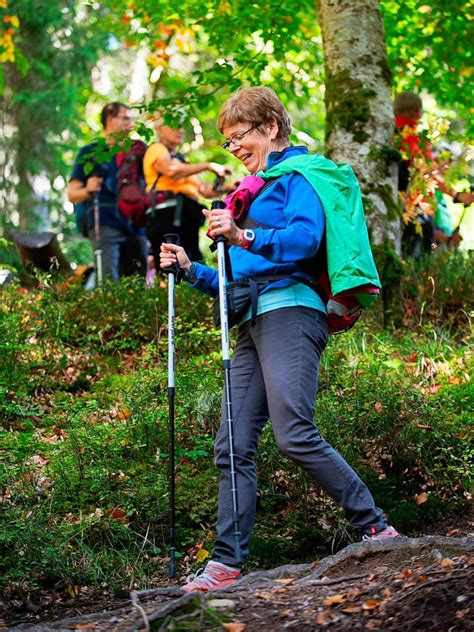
[359, 116]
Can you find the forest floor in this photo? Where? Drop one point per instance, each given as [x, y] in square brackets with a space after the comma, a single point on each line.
[424, 583]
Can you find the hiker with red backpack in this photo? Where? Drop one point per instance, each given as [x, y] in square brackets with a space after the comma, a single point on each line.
[119, 244]
[303, 206]
[169, 173]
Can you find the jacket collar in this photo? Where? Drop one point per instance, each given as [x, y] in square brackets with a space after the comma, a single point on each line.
[276, 157]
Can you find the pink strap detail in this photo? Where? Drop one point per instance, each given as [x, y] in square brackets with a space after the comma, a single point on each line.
[240, 200]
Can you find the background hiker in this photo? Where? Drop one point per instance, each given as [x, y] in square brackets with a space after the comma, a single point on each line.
[419, 176]
[124, 247]
[168, 170]
[275, 363]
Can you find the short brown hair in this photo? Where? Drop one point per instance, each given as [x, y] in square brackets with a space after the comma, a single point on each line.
[111, 109]
[255, 106]
[407, 103]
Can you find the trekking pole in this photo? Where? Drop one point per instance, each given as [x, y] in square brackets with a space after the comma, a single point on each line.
[174, 277]
[220, 241]
[98, 249]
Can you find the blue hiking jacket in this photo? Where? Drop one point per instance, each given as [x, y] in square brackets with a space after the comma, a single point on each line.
[291, 219]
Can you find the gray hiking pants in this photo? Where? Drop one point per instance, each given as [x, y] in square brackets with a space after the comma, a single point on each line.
[275, 375]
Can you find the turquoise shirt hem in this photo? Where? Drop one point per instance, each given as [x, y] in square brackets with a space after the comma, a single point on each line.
[296, 295]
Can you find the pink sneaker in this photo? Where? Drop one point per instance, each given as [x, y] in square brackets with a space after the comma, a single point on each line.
[388, 532]
[213, 577]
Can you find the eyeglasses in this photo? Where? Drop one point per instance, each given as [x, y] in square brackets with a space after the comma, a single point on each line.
[237, 139]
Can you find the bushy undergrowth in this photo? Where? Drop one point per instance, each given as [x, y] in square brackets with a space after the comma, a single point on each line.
[83, 404]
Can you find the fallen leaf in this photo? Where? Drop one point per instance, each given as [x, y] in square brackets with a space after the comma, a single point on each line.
[314, 565]
[264, 595]
[373, 624]
[452, 532]
[424, 426]
[454, 380]
[447, 563]
[353, 592]
[370, 604]
[287, 613]
[234, 627]
[322, 618]
[433, 389]
[117, 514]
[421, 498]
[378, 407]
[124, 413]
[404, 574]
[201, 555]
[285, 581]
[73, 590]
[351, 609]
[334, 599]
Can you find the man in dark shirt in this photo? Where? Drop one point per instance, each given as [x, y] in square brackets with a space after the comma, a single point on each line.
[123, 246]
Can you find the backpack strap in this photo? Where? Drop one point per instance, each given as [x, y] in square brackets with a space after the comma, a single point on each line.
[247, 222]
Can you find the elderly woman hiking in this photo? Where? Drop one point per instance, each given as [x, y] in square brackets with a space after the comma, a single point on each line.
[275, 363]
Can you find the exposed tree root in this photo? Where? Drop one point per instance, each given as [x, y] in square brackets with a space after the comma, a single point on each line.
[404, 583]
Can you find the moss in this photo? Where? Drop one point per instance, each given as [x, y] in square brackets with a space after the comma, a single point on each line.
[348, 105]
[390, 268]
[390, 154]
[394, 210]
[385, 156]
[385, 192]
[385, 70]
[368, 206]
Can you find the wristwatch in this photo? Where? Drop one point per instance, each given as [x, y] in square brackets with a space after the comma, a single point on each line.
[248, 238]
[190, 275]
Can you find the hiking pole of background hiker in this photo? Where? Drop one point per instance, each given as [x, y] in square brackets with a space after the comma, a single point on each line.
[98, 249]
[174, 277]
[220, 243]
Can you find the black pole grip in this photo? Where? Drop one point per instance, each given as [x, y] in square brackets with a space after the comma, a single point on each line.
[220, 238]
[173, 238]
[217, 204]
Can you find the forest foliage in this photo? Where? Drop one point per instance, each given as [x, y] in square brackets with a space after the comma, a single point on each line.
[192, 59]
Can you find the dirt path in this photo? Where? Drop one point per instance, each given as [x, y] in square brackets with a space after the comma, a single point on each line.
[406, 583]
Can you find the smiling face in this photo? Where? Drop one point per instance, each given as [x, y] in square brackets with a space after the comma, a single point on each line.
[251, 145]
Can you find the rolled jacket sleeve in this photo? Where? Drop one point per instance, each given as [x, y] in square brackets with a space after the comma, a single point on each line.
[205, 279]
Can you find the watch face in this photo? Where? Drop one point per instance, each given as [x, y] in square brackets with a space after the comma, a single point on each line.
[249, 234]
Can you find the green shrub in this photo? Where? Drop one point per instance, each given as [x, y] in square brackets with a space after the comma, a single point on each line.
[84, 410]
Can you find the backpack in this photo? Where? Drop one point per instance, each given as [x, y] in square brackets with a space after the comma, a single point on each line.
[347, 284]
[132, 198]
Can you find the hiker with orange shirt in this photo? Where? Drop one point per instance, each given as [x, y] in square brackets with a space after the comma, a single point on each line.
[166, 169]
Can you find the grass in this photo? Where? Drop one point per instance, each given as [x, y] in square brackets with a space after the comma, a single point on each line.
[83, 404]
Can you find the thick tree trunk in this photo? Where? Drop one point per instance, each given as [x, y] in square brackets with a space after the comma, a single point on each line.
[359, 116]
